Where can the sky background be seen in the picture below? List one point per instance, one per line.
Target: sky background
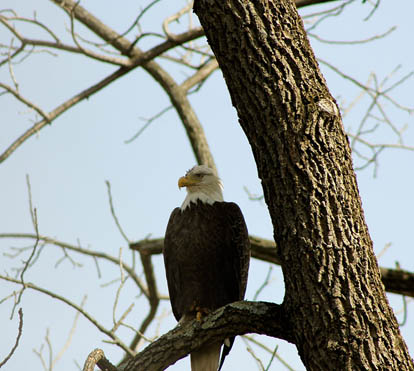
(69, 162)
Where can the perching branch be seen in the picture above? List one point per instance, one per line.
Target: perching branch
(233, 319)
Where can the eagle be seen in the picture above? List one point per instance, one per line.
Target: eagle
(206, 255)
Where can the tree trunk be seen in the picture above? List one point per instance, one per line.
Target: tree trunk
(338, 311)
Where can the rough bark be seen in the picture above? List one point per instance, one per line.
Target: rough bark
(334, 297)
(233, 319)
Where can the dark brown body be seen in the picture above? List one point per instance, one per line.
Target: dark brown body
(206, 256)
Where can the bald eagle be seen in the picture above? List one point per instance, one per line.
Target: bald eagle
(206, 256)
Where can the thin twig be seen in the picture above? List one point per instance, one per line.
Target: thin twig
(33, 215)
(110, 334)
(147, 124)
(187, 8)
(16, 344)
(25, 101)
(261, 345)
(264, 284)
(70, 336)
(353, 42)
(94, 254)
(272, 358)
(111, 205)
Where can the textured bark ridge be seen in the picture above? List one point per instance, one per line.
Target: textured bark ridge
(334, 298)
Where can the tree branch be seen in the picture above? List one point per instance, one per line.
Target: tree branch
(80, 250)
(233, 319)
(137, 57)
(153, 297)
(177, 95)
(97, 357)
(29, 104)
(62, 108)
(16, 344)
(110, 334)
(396, 281)
(302, 3)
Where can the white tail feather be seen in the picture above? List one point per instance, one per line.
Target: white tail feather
(206, 359)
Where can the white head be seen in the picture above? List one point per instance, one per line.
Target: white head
(202, 184)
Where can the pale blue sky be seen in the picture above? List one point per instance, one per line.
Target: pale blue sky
(69, 162)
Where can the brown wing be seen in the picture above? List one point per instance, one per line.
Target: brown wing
(240, 241)
(206, 256)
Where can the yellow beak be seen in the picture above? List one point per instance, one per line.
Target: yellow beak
(186, 181)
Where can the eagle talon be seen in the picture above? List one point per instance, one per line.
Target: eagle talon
(200, 312)
(199, 316)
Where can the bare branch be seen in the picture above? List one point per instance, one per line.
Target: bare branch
(266, 250)
(302, 3)
(97, 357)
(169, 44)
(187, 8)
(381, 145)
(264, 284)
(193, 127)
(110, 334)
(70, 336)
(398, 281)
(178, 97)
(201, 75)
(16, 344)
(25, 101)
(233, 319)
(33, 215)
(253, 354)
(60, 109)
(57, 44)
(111, 205)
(261, 345)
(148, 123)
(136, 22)
(324, 14)
(121, 319)
(352, 42)
(153, 297)
(94, 254)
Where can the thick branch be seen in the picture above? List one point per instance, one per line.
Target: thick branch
(233, 319)
(137, 57)
(333, 292)
(396, 281)
(301, 3)
(176, 94)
